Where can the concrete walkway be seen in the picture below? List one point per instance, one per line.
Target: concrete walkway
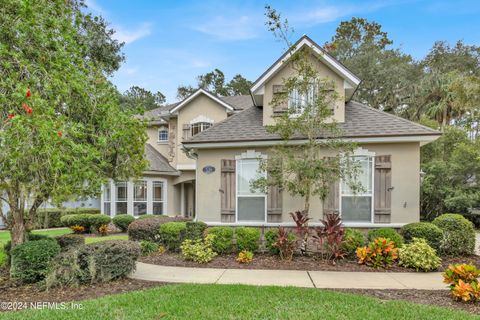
(307, 279)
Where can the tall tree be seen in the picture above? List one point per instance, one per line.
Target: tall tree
(62, 133)
(239, 86)
(140, 99)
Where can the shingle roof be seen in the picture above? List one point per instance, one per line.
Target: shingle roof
(156, 161)
(360, 121)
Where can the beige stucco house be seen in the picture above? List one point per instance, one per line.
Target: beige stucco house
(204, 150)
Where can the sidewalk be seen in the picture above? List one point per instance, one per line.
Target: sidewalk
(307, 279)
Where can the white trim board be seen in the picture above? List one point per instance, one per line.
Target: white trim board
(197, 93)
(311, 224)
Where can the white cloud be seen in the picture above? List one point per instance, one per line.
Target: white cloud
(129, 36)
(238, 28)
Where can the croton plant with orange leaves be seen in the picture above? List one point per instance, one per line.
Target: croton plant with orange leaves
(463, 282)
(380, 253)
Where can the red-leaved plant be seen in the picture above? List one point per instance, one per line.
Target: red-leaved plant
(330, 236)
(301, 220)
(285, 243)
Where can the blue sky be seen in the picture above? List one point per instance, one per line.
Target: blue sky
(169, 43)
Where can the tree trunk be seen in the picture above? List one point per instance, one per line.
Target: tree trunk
(18, 231)
(303, 248)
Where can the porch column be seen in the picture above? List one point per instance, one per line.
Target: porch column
(149, 196)
(113, 199)
(182, 199)
(130, 197)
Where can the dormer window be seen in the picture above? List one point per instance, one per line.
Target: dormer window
(163, 134)
(198, 127)
(298, 101)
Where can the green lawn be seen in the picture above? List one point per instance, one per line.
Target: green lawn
(191, 302)
(5, 235)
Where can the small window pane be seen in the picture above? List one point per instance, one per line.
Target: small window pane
(163, 134)
(139, 208)
(106, 208)
(157, 191)
(121, 208)
(247, 172)
(364, 177)
(356, 209)
(140, 191)
(158, 208)
(199, 127)
(121, 191)
(251, 208)
(106, 193)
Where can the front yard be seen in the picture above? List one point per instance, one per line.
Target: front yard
(241, 302)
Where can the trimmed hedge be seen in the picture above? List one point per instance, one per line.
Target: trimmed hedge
(7, 247)
(148, 229)
(88, 221)
(271, 236)
(352, 239)
(122, 221)
(388, 233)
(172, 234)
(223, 240)
(195, 230)
(458, 234)
(423, 230)
(94, 263)
(51, 217)
(247, 238)
(69, 241)
(30, 260)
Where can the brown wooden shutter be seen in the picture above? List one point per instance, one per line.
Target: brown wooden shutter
(186, 131)
(274, 204)
(227, 190)
(332, 202)
(383, 189)
(278, 90)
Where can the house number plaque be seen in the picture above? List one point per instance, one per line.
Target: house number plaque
(208, 169)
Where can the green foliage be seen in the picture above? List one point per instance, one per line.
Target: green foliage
(286, 243)
(223, 241)
(140, 99)
(148, 247)
(69, 241)
(388, 233)
(195, 230)
(247, 238)
(51, 217)
(88, 221)
(148, 216)
(31, 259)
(122, 221)
(379, 253)
(147, 229)
(419, 255)
(458, 235)
(271, 236)
(199, 250)
(352, 239)
(424, 230)
(3, 258)
(66, 132)
(245, 257)
(94, 263)
(172, 234)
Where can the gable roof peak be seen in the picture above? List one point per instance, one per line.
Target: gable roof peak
(198, 92)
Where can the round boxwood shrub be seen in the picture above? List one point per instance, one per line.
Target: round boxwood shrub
(458, 234)
(423, 230)
(69, 241)
(247, 238)
(30, 260)
(271, 236)
(172, 234)
(148, 229)
(88, 221)
(223, 241)
(122, 221)
(388, 233)
(93, 263)
(419, 255)
(352, 239)
(98, 220)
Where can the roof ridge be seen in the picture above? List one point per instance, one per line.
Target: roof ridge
(394, 116)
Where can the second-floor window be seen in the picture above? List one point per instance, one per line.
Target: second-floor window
(298, 101)
(163, 134)
(199, 127)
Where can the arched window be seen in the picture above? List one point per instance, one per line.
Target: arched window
(163, 134)
(198, 127)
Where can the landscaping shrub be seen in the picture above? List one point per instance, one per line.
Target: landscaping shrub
(270, 239)
(380, 252)
(387, 233)
(223, 241)
(463, 282)
(7, 247)
(330, 236)
(247, 238)
(78, 229)
(458, 235)
(352, 239)
(93, 263)
(245, 257)
(419, 255)
(82, 220)
(122, 221)
(148, 247)
(148, 216)
(48, 218)
(68, 241)
(98, 220)
(424, 230)
(286, 244)
(148, 229)
(195, 230)
(172, 234)
(103, 230)
(199, 250)
(30, 260)
(3, 258)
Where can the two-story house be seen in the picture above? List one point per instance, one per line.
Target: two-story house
(204, 151)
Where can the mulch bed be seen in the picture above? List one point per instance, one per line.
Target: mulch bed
(440, 298)
(265, 261)
(9, 292)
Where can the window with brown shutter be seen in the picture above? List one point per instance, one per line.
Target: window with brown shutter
(383, 189)
(186, 131)
(282, 106)
(227, 190)
(274, 204)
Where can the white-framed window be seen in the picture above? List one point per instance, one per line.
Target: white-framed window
(198, 127)
(163, 134)
(251, 204)
(297, 102)
(158, 197)
(107, 199)
(140, 198)
(357, 206)
(121, 197)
